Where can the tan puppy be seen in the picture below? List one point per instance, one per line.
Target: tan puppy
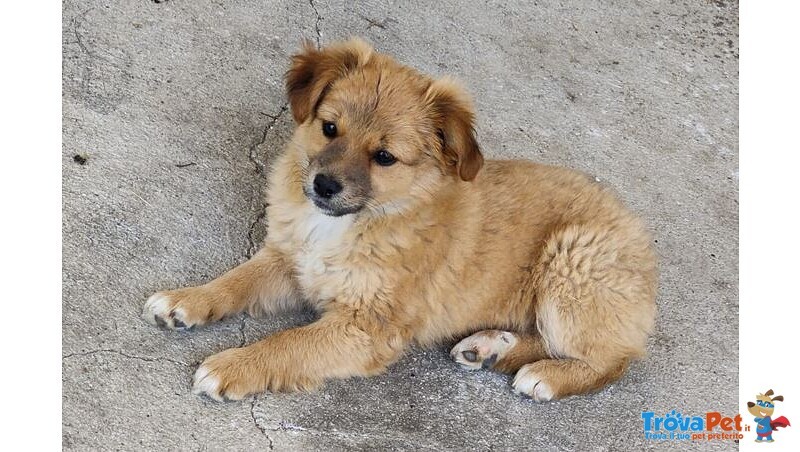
(384, 216)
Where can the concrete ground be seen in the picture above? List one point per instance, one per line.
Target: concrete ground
(172, 110)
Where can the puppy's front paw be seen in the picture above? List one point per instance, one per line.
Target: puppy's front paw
(160, 310)
(223, 376)
(182, 309)
(530, 381)
(237, 372)
(483, 349)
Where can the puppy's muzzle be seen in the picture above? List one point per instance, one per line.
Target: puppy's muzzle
(325, 186)
(330, 196)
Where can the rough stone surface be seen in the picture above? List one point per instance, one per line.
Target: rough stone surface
(172, 110)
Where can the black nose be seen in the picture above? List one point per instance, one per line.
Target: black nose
(326, 186)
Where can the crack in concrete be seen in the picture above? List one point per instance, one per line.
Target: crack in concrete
(382, 24)
(78, 37)
(316, 23)
(75, 23)
(251, 250)
(260, 169)
(121, 353)
(255, 421)
(242, 326)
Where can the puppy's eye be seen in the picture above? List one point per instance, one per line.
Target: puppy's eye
(329, 129)
(384, 158)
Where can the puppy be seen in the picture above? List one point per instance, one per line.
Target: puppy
(384, 216)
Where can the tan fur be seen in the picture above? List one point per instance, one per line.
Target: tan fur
(444, 245)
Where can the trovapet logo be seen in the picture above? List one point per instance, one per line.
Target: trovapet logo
(713, 426)
(708, 427)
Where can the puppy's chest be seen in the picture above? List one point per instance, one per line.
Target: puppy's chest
(328, 260)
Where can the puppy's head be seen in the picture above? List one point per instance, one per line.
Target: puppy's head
(377, 135)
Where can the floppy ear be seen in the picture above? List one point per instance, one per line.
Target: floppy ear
(451, 110)
(313, 71)
(769, 393)
(778, 398)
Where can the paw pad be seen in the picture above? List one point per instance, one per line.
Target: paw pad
(483, 349)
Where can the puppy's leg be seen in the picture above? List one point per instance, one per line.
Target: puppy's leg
(338, 345)
(503, 351)
(551, 379)
(594, 311)
(264, 282)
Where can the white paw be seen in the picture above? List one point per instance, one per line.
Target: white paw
(483, 349)
(158, 311)
(205, 383)
(529, 382)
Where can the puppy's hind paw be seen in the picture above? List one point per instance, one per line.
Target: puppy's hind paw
(529, 382)
(483, 349)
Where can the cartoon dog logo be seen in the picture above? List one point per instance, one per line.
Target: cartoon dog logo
(762, 410)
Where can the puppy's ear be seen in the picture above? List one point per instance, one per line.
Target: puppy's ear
(778, 398)
(451, 111)
(313, 71)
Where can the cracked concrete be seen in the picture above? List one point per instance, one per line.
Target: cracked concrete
(270, 444)
(176, 111)
(255, 234)
(317, 31)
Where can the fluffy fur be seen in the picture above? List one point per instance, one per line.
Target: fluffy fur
(553, 275)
